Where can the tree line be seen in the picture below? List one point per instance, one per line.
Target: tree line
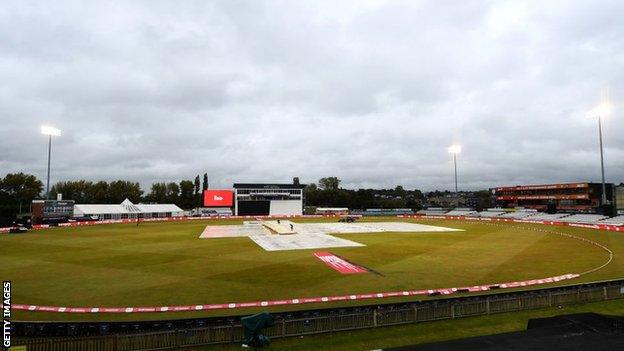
(17, 190)
(186, 194)
(329, 193)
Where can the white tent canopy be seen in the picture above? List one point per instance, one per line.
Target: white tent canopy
(127, 210)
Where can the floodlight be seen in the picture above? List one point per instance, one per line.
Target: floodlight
(454, 149)
(47, 130)
(50, 132)
(602, 110)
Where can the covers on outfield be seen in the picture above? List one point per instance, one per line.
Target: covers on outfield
(311, 235)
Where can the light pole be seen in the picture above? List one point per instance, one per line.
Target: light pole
(455, 149)
(49, 131)
(601, 111)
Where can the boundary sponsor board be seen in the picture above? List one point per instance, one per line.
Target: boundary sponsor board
(613, 228)
(166, 219)
(608, 227)
(338, 264)
(294, 301)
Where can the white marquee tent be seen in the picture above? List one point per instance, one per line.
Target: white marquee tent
(127, 210)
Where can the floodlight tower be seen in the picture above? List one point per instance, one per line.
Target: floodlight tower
(49, 131)
(455, 149)
(601, 111)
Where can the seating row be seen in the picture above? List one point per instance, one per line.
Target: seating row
(527, 215)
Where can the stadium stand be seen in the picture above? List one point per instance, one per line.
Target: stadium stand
(383, 212)
(547, 216)
(523, 214)
(491, 212)
(617, 220)
(583, 218)
(461, 212)
(212, 212)
(331, 211)
(433, 211)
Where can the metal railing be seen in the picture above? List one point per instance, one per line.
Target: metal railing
(332, 320)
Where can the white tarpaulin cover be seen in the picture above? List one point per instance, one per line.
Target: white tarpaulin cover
(312, 235)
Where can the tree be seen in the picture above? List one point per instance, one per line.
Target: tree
(21, 186)
(186, 194)
(78, 191)
(205, 185)
(399, 191)
(329, 183)
(418, 195)
(296, 180)
(331, 196)
(364, 198)
(120, 190)
(18, 189)
(173, 193)
(197, 197)
(483, 199)
(98, 193)
(197, 185)
(310, 195)
(158, 193)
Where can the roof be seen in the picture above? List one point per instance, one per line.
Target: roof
(130, 207)
(268, 186)
(549, 186)
(158, 208)
(125, 207)
(96, 209)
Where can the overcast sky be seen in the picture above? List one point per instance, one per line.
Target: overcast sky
(260, 91)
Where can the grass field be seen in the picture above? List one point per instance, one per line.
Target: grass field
(157, 264)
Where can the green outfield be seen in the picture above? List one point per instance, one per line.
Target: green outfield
(160, 264)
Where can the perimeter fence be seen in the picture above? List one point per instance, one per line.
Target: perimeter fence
(37, 336)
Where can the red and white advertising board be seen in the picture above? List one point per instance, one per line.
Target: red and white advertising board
(218, 198)
(291, 301)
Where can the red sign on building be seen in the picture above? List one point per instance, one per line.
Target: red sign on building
(218, 198)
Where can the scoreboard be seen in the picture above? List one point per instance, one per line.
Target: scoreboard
(52, 210)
